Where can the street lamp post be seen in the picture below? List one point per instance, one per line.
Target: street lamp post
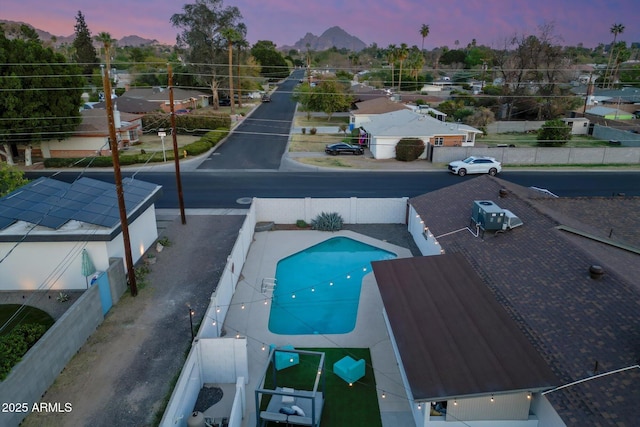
(191, 313)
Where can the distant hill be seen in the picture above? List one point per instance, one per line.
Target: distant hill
(13, 27)
(334, 36)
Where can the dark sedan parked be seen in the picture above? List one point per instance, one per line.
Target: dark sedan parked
(342, 147)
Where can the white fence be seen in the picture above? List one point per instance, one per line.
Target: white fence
(353, 210)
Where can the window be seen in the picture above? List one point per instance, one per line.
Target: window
(438, 141)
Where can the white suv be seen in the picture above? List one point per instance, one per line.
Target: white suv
(475, 165)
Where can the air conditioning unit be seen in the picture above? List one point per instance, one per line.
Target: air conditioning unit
(487, 215)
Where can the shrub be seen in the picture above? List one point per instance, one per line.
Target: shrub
(301, 223)
(313, 131)
(327, 222)
(554, 133)
(409, 149)
(304, 131)
(16, 344)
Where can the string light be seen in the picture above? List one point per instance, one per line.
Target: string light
(263, 347)
(492, 399)
(419, 406)
(313, 289)
(330, 283)
(529, 395)
(293, 295)
(455, 403)
(384, 395)
(242, 306)
(348, 276)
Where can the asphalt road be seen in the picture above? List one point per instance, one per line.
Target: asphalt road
(224, 189)
(259, 142)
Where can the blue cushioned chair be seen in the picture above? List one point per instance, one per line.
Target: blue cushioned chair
(349, 370)
(283, 359)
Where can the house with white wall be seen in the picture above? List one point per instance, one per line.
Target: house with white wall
(366, 110)
(386, 130)
(578, 125)
(46, 224)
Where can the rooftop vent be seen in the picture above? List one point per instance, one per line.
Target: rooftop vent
(596, 272)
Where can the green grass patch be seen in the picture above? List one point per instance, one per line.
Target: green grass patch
(303, 121)
(344, 406)
(531, 140)
(28, 315)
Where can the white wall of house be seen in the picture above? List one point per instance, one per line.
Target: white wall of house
(423, 238)
(58, 265)
(360, 119)
(383, 147)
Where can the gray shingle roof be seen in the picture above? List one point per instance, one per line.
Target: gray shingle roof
(540, 275)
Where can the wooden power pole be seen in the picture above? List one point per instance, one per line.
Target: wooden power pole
(176, 155)
(113, 146)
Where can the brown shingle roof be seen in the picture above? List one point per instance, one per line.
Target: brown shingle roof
(454, 338)
(540, 275)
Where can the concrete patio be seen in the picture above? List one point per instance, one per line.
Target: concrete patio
(370, 330)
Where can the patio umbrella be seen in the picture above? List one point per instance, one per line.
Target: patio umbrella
(87, 266)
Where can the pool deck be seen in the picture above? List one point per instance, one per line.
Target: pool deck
(370, 331)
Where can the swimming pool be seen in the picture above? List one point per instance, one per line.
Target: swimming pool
(318, 289)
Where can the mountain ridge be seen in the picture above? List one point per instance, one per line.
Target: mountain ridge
(332, 37)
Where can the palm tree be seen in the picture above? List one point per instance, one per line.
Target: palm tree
(107, 42)
(241, 45)
(403, 53)
(392, 55)
(615, 30)
(231, 35)
(424, 32)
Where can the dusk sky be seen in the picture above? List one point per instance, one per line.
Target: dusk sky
(373, 21)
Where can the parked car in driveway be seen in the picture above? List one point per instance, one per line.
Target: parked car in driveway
(266, 98)
(475, 164)
(224, 102)
(343, 147)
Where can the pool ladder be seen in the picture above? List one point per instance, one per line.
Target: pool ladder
(268, 285)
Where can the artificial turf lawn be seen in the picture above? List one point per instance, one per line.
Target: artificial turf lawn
(28, 315)
(355, 406)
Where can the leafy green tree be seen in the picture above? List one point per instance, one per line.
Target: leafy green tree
(33, 107)
(554, 133)
(330, 98)
(85, 53)
(302, 95)
(202, 25)
(274, 66)
(10, 179)
(630, 75)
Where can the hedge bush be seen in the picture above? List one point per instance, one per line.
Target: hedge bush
(409, 149)
(16, 344)
(193, 124)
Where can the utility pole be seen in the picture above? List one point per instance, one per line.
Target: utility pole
(113, 146)
(176, 156)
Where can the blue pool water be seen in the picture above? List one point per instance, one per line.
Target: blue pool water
(318, 289)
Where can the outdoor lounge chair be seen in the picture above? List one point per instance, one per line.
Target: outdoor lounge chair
(283, 359)
(349, 370)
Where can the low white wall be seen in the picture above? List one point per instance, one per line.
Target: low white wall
(542, 155)
(201, 368)
(353, 210)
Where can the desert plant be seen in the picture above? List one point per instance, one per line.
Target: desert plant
(327, 222)
(164, 241)
(409, 149)
(62, 297)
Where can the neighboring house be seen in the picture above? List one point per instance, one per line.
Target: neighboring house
(130, 105)
(46, 224)
(182, 98)
(578, 125)
(425, 109)
(362, 92)
(365, 110)
(541, 273)
(386, 130)
(92, 136)
(610, 113)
